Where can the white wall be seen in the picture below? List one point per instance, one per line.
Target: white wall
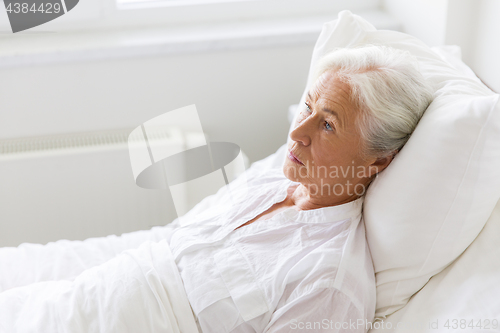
(241, 96)
(474, 25)
(461, 26)
(424, 19)
(479, 37)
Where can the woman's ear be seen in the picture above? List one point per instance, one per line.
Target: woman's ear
(380, 164)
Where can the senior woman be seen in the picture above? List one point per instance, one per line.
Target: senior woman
(292, 255)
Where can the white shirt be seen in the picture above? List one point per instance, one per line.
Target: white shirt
(297, 271)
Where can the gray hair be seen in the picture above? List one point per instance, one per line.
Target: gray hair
(387, 87)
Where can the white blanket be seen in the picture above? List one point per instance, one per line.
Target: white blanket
(139, 290)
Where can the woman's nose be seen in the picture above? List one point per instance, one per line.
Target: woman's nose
(301, 132)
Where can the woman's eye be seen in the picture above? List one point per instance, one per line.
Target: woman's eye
(328, 126)
(308, 108)
(304, 113)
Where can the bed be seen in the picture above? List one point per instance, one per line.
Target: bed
(432, 220)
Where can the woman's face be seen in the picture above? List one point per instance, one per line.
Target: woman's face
(327, 144)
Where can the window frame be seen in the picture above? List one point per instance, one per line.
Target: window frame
(111, 14)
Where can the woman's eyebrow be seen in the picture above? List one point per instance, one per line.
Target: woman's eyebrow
(309, 95)
(335, 114)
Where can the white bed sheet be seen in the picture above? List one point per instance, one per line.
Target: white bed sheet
(139, 290)
(64, 259)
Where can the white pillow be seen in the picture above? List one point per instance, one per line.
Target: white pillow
(431, 202)
(464, 295)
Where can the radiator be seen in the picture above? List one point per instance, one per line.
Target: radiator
(78, 186)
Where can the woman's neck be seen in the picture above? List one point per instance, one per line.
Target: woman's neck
(300, 198)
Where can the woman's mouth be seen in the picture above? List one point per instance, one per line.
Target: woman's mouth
(294, 158)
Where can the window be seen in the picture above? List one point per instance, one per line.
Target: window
(114, 14)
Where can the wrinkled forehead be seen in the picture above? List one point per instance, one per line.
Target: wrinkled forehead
(331, 89)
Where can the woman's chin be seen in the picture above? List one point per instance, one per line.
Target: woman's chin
(291, 171)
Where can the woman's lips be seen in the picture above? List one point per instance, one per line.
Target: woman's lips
(294, 158)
